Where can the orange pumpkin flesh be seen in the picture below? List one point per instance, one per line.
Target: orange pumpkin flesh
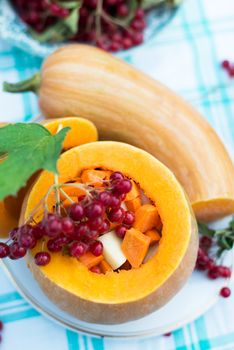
(126, 295)
(81, 131)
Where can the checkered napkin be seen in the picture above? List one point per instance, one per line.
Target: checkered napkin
(185, 56)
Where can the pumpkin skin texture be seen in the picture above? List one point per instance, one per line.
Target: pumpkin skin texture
(82, 131)
(127, 295)
(128, 106)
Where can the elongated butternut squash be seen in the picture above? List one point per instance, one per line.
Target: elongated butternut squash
(128, 106)
(81, 131)
(125, 295)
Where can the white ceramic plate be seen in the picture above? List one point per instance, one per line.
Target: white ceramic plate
(197, 296)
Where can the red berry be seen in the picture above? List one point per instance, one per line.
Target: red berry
(167, 334)
(114, 47)
(138, 24)
(1, 326)
(105, 198)
(137, 38)
(33, 17)
(127, 43)
(140, 13)
(129, 218)
(67, 226)
(123, 186)
(224, 271)
(27, 240)
(111, 2)
(52, 246)
(58, 11)
(91, 3)
(16, 251)
(226, 64)
(120, 231)
(42, 258)
(76, 211)
(210, 264)
(95, 269)
(50, 217)
(96, 223)
(105, 227)
(116, 38)
(94, 210)
(81, 230)
(78, 249)
(62, 240)
(4, 250)
(116, 215)
(201, 252)
(53, 227)
(84, 12)
(115, 201)
(96, 248)
(205, 242)
(116, 176)
(122, 10)
(213, 273)
(38, 231)
(231, 72)
(91, 236)
(225, 292)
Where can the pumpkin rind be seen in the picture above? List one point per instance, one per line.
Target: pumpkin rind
(126, 295)
(128, 106)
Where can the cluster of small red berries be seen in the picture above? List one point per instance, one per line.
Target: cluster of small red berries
(111, 36)
(229, 67)
(1, 328)
(77, 232)
(207, 264)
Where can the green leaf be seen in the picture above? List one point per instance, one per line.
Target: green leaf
(231, 224)
(28, 148)
(70, 5)
(148, 4)
(205, 230)
(64, 29)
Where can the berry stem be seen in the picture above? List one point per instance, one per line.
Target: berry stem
(98, 16)
(66, 196)
(56, 183)
(31, 84)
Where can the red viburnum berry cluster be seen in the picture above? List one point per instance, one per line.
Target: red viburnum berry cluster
(115, 27)
(207, 264)
(78, 231)
(229, 67)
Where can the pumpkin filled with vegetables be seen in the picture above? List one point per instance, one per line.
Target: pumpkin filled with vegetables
(123, 240)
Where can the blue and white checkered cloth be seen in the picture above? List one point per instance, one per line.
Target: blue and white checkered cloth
(185, 56)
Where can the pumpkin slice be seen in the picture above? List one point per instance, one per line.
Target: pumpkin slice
(82, 131)
(127, 294)
(153, 235)
(135, 246)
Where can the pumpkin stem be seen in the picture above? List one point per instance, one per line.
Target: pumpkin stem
(31, 84)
